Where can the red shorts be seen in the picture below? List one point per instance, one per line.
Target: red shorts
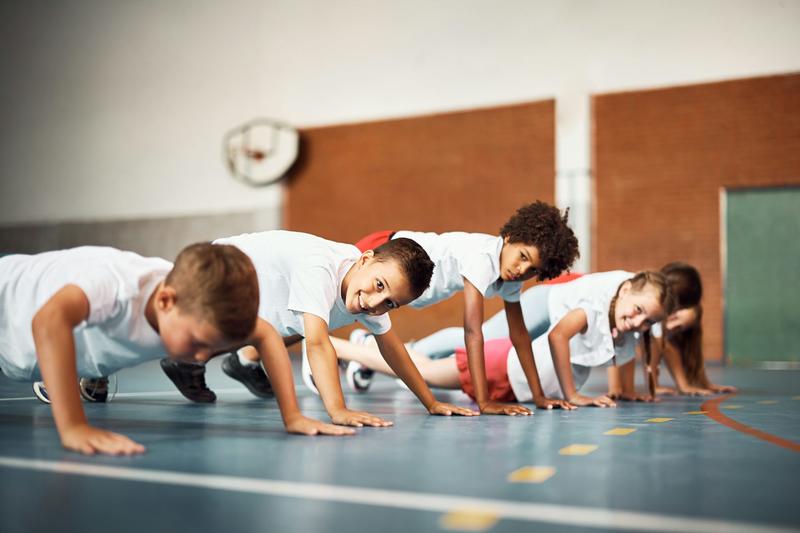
(495, 353)
(373, 240)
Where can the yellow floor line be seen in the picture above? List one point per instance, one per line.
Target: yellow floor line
(531, 474)
(468, 520)
(619, 431)
(578, 449)
(659, 420)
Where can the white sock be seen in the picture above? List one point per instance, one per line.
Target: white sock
(244, 361)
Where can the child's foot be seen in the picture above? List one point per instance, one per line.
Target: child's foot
(253, 377)
(94, 389)
(359, 377)
(41, 392)
(305, 370)
(190, 380)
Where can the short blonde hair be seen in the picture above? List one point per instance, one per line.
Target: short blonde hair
(217, 283)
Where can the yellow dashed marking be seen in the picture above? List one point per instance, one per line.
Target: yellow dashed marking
(795, 397)
(531, 474)
(468, 520)
(767, 402)
(732, 406)
(695, 412)
(619, 431)
(578, 449)
(659, 420)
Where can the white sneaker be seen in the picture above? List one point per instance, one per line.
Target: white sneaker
(359, 336)
(305, 370)
(359, 377)
(41, 392)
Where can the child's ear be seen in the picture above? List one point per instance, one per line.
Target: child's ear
(625, 288)
(166, 298)
(365, 257)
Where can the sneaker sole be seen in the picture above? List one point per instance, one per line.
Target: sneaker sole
(231, 374)
(41, 396)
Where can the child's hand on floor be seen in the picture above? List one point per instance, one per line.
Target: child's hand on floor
(723, 388)
(346, 417)
(666, 391)
(308, 426)
(89, 440)
(599, 401)
(447, 409)
(497, 408)
(696, 391)
(635, 397)
(550, 403)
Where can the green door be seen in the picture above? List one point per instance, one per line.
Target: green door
(762, 280)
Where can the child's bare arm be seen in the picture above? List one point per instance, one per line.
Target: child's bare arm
(622, 383)
(522, 344)
(396, 355)
(473, 340)
(275, 359)
(573, 323)
(673, 358)
(325, 369)
(53, 336)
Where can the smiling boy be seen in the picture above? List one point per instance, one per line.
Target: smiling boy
(309, 286)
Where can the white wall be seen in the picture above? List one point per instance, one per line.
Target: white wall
(117, 109)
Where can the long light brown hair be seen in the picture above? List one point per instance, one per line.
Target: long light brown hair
(684, 281)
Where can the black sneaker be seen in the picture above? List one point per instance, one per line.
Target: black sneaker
(252, 377)
(94, 389)
(190, 379)
(41, 392)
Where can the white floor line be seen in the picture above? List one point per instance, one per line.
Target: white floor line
(528, 512)
(138, 394)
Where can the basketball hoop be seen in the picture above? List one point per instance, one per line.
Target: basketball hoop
(261, 151)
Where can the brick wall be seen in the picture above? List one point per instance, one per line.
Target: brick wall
(661, 159)
(464, 171)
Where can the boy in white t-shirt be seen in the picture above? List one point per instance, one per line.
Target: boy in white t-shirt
(536, 242)
(311, 285)
(91, 311)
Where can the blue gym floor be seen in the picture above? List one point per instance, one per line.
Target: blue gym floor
(229, 466)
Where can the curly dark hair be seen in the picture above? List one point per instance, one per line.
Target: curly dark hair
(543, 226)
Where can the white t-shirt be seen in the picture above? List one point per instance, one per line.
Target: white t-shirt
(595, 347)
(117, 284)
(300, 273)
(458, 255)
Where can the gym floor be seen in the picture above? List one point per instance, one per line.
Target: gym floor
(728, 463)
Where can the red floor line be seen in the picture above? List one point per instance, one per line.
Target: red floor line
(712, 411)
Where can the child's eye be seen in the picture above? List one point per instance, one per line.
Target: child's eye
(379, 284)
(639, 309)
(391, 305)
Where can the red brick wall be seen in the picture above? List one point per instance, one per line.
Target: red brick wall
(466, 171)
(661, 158)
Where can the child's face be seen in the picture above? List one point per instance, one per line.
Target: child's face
(186, 336)
(682, 319)
(376, 287)
(518, 261)
(637, 310)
